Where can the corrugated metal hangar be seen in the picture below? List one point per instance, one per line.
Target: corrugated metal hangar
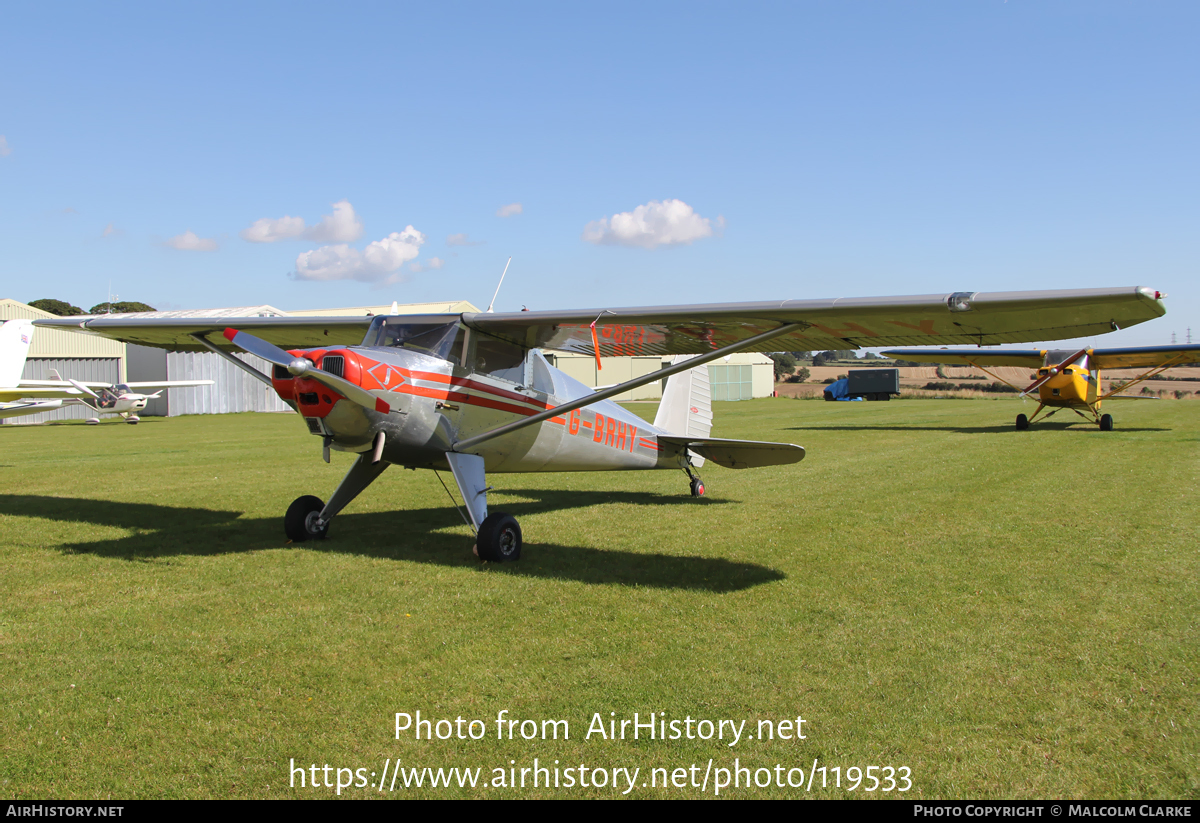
(93, 358)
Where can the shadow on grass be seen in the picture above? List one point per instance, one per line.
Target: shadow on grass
(1078, 425)
(414, 535)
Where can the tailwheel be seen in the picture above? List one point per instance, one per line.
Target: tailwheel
(499, 538)
(1022, 422)
(303, 520)
(1106, 423)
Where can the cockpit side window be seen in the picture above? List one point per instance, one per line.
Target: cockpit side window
(499, 358)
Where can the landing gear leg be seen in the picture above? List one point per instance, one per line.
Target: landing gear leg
(497, 535)
(308, 519)
(696, 485)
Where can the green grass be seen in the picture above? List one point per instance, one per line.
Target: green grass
(1007, 614)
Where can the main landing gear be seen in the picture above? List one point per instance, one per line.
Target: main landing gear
(1022, 422)
(695, 484)
(1106, 423)
(497, 535)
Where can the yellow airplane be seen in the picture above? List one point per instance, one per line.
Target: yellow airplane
(1065, 379)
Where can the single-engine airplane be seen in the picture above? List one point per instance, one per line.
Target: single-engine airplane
(1065, 379)
(473, 393)
(102, 398)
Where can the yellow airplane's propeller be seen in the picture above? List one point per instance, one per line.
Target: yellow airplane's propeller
(301, 367)
(1054, 370)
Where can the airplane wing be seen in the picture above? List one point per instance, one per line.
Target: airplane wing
(169, 384)
(1027, 358)
(847, 323)
(174, 333)
(962, 318)
(21, 392)
(1146, 357)
(19, 409)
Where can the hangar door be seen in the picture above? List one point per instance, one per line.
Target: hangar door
(731, 382)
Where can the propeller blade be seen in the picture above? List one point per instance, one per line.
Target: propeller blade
(1054, 370)
(299, 366)
(267, 351)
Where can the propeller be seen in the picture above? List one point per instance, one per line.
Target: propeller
(301, 367)
(1054, 370)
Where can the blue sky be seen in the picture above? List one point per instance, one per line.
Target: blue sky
(658, 152)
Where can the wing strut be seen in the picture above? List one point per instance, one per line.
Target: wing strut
(620, 388)
(1154, 372)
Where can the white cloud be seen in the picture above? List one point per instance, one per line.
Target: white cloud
(463, 240)
(665, 223)
(188, 241)
(374, 263)
(5, 151)
(511, 210)
(267, 230)
(432, 264)
(343, 226)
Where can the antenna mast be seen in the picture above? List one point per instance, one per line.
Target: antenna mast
(498, 285)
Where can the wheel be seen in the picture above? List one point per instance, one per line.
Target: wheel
(133, 420)
(697, 487)
(499, 538)
(1106, 423)
(299, 521)
(93, 421)
(1022, 422)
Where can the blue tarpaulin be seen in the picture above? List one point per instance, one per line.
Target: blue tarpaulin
(837, 390)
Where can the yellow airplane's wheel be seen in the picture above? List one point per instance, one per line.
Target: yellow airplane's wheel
(1022, 422)
(499, 538)
(300, 521)
(1106, 423)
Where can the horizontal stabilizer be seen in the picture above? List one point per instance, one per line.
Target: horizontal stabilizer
(738, 454)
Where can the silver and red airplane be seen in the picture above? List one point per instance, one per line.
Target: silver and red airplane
(473, 394)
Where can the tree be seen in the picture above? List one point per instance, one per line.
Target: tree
(785, 364)
(120, 308)
(800, 376)
(58, 307)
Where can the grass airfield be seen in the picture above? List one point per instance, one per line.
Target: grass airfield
(1008, 615)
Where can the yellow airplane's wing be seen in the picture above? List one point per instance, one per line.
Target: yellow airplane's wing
(1148, 357)
(977, 318)
(1027, 358)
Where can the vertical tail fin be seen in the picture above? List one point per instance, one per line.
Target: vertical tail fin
(686, 407)
(15, 336)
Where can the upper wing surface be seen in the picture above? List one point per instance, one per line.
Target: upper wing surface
(959, 318)
(1028, 358)
(1146, 357)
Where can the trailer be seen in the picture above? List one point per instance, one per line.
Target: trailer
(867, 384)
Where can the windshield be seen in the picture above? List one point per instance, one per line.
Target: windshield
(441, 340)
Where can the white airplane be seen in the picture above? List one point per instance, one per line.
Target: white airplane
(473, 394)
(103, 398)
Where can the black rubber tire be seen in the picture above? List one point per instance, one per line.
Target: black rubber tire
(1106, 423)
(295, 522)
(499, 538)
(1022, 422)
(696, 487)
